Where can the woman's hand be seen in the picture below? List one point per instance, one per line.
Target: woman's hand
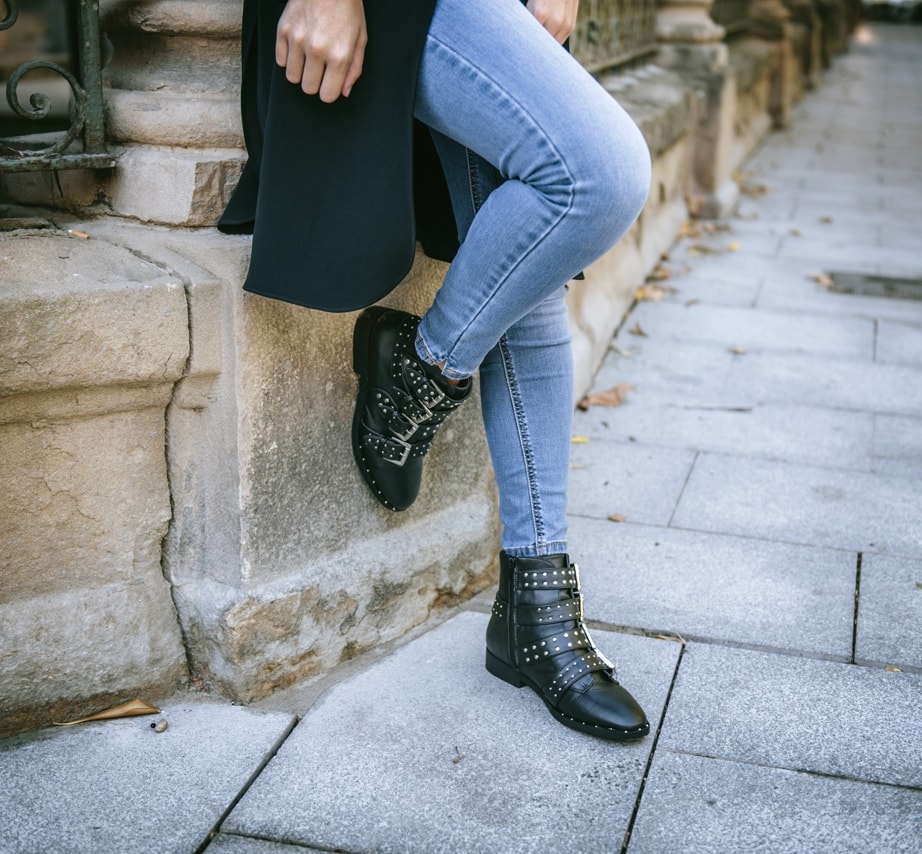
(321, 45)
(558, 17)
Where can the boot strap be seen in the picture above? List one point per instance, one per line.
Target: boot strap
(587, 662)
(547, 579)
(560, 612)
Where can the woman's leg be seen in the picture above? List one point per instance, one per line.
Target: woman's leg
(576, 174)
(576, 170)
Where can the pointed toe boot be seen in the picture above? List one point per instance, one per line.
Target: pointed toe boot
(536, 637)
(401, 404)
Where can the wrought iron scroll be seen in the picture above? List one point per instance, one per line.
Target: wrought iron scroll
(34, 153)
(732, 15)
(610, 33)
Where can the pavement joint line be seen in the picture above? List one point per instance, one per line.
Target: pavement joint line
(678, 501)
(743, 536)
(216, 827)
(810, 772)
(857, 604)
(646, 771)
(293, 844)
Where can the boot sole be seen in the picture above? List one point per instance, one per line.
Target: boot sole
(509, 674)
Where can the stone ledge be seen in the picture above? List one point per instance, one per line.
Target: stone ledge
(81, 313)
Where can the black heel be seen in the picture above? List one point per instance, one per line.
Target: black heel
(503, 671)
(362, 336)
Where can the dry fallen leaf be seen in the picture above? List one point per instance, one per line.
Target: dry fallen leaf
(580, 440)
(637, 329)
(692, 302)
(738, 351)
(611, 397)
(825, 220)
(659, 273)
(821, 279)
(690, 229)
(616, 517)
(702, 249)
(624, 354)
(733, 247)
(652, 293)
(131, 709)
(794, 232)
(893, 669)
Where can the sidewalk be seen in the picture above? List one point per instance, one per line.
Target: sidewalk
(762, 597)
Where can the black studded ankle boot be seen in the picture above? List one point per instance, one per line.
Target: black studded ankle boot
(401, 403)
(536, 637)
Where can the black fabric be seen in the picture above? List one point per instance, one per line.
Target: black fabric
(328, 191)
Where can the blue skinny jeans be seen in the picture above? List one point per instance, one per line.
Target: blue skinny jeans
(546, 173)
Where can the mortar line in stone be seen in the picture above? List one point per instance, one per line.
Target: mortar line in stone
(270, 754)
(678, 501)
(857, 604)
(874, 339)
(646, 770)
(811, 772)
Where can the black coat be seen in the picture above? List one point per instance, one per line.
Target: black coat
(328, 190)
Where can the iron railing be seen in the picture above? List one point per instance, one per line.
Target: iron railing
(732, 15)
(83, 144)
(610, 33)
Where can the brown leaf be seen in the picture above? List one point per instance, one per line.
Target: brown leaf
(692, 302)
(652, 293)
(637, 329)
(738, 351)
(612, 397)
(702, 249)
(821, 279)
(825, 220)
(131, 709)
(733, 247)
(617, 517)
(794, 232)
(659, 273)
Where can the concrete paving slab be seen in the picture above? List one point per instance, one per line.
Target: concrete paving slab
(699, 805)
(120, 786)
(791, 503)
(897, 445)
(729, 589)
(899, 344)
(797, 713)
(801, 292)
(710, 287)
(641, 483)
(425, 751)
(714, 377)
(834, 438)
(758, 329)
(890, 612)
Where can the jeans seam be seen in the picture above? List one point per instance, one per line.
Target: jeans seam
(524, 442)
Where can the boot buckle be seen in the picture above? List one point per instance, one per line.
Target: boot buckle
(407, 447)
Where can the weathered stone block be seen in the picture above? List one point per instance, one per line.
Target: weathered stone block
(91, 340)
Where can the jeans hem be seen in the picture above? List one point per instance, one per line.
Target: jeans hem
(542, 550)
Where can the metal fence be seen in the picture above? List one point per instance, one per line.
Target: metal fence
(82, 143)
(613, 32)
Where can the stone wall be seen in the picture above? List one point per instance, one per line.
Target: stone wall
(182, 500)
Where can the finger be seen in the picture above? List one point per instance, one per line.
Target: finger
(355, 68)
(334, 78)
